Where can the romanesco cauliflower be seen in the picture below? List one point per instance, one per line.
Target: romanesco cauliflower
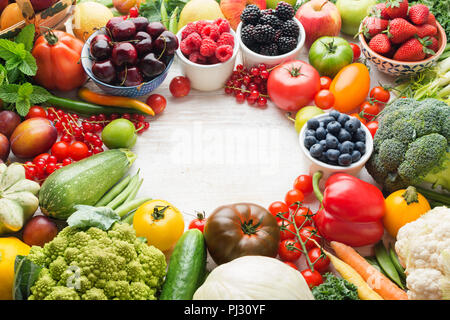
(98, 265)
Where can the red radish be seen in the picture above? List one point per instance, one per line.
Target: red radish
(418, 14)
(400, 30)
(380, 44)
(397, 8)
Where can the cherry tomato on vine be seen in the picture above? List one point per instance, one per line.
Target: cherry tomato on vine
(289, 250)
(198, 223)
(324, 99)
(356, 51)
(380, 94)
(312, 278)
(279, 207)
(60, 150)
(304, 184)
(369, 110)
(307, 234)
(287, 230)
(325, 82)
(292, 197)
(373, 127)
(300, 218)
(36, 112)
(157, 102)
(78, 150)
(320, 260)
(356, 115)
(290, 264)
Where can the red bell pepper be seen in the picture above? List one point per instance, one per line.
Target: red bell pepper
(351, 210)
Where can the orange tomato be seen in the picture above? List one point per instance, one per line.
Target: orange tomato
(350, 87)
(58, 56)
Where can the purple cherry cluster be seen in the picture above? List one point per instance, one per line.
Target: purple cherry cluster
(132, 51)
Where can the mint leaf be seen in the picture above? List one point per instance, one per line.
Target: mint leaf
(25, 90)
(26, 37)
(8, 49)
(9, 93)
(23, 106)
(3, 75)
(28, 65)
(13, 63)
(39, 95)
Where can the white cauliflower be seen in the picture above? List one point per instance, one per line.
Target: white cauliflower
(423, 247)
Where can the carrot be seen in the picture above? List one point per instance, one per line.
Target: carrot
(376, 280)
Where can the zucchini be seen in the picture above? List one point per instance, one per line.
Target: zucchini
(84, 182)
(187, 267)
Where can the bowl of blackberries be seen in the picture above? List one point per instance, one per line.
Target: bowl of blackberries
(129, 57)
(336, 142)
(270, 36)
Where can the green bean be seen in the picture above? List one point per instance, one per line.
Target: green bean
(117, 201)
(164, 15)
(130, 206)
(386, 264)
(374, 263)
(129, 218)
(396, 263)
(173, 22)
(113, 192)
(134, 192)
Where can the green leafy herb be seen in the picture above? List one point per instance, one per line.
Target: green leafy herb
(334, 288)
(151, 9)
(25, 275)
(23, 96)
(88, 216)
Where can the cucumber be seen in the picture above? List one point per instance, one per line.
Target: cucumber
(187, 267)
(84, 182)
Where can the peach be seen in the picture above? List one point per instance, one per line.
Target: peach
(232, 9)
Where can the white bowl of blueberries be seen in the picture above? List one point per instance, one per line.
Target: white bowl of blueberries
(336, 142)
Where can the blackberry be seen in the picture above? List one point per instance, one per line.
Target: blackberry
(284, 11)
(267, 12)
(248, 34)
(264, 33)
(251, 14)
(272, 21)
(270, 49)
(286, 44)
(290, 29)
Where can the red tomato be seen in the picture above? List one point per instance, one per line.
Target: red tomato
(300, 217)
(304, 184)
(289, 250)
(324, 99)
(292, 85)
(157, 102)
(279, 207)
(319, 259)
(312, 278)
(325, 82)
(369, 110)
(356, 51)
(198, 223)
(380, 94)
(373, 127)
(293, 198)
(290, 264)
(287, 230)
(306, 234)
(36, 112)
(356, 115)
(78, 150)
(60, 150)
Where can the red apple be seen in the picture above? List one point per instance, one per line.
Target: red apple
(319, 18)
(39, 5)
(232, 9)
(3, 4)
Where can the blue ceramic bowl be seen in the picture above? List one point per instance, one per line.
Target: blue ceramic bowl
(136, 91)
(402, 68)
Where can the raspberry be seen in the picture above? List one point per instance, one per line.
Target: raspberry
(185, 48)
(194, 40)
(196, 57)
(224, 26)
(226, 38)
(224, 52)
(199, 25)
(208, 47)
(190, 27)
(213, 60)
(211, 31)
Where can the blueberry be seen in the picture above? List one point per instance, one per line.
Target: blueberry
(345, 159)
(316, 150)
(323, 158)
(332, 154)
(331, 141)
(334, 127)
(360, 146)
(343, 118)
(347, 147)
(352, 124)
(359, 135)
(323, 143)
(313, 124)
(310, 132)
(356, 155)
(309, 141)
(326, 120)
(335, 114)
(321, 133)
(343, 135)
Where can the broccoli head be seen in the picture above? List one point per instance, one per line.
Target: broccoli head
(98, 265)
(411, 145)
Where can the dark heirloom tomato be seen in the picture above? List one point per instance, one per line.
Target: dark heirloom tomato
(241, 229)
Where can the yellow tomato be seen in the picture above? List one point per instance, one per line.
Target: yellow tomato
(160, 222)
(350, 87)
(403, 206)
(9, 248)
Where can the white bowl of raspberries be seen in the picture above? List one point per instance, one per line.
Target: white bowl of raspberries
(270, 36)
(207, 53)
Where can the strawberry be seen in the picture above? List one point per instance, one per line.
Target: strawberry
(400, 30)
(373, 26)
(413, 49)
(380, 43)
(433, 45)
(397, 8)
(426, 30)
(418, 14)
(379, 11)
(431, 19)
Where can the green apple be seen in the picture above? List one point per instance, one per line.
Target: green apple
(273, 3)
(304, 114)
(352, 13)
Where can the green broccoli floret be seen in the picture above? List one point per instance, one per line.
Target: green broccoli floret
(98, 265)
(411, 145)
